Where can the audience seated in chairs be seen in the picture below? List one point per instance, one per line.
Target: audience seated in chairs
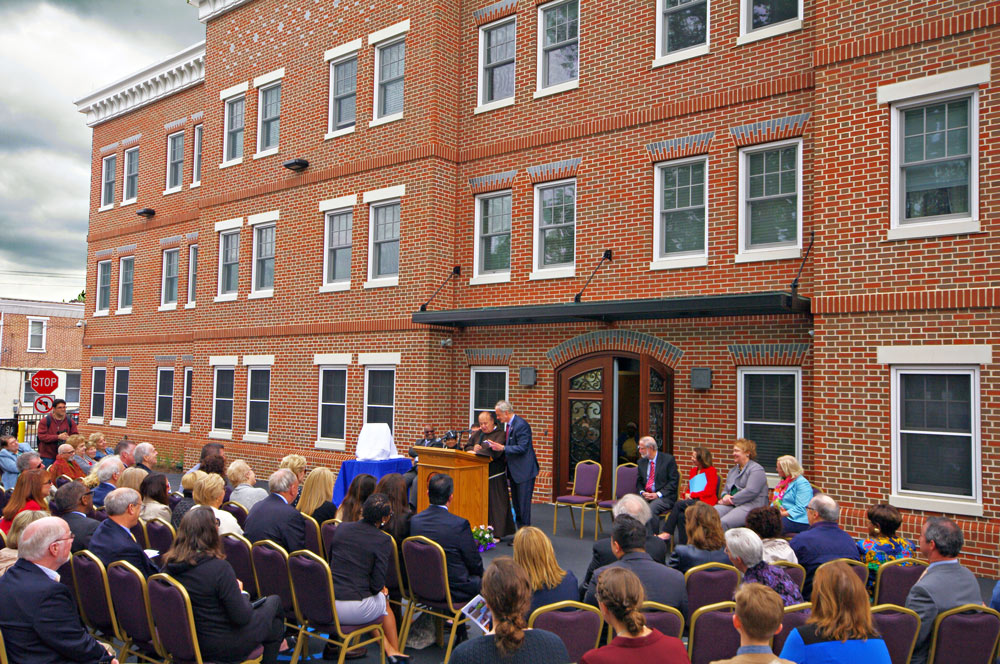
(209, 450)
(107, 473)
(132, 478)
(188, 480)
(633, 505)
(746, 552)
(244, 481)
(840, 628)
(145, 456)
(216, 465)
(792, 495)
(8, 555)
(228, 627)
(507, 592)
(393, 485)
(361, 487)
(766, 522)
(80, 456)
(8, 461)
(74, 504)
(113, 539)
(297, 464)
(64, 463)
(662, 584)
(274, 518)
(758, 616)
(882, 544)
(30, 493)
(550, 583)
(824, 541)
(38, 616)
(209, 492)
(702, 459)
(360, 556)
(620, 595)
(155, 492)
(745, 487)
(315, 497)
(706, 540)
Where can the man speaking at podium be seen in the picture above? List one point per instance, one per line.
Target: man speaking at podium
(522, 464)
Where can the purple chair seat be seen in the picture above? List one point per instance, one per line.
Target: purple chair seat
(131, 599)
(586, 483)
(270, 562)
(969, 629)
(708, 584)
(796, 617)
(712, 634)
(238, 556)
(326, 531)
(159, 535)
(92, 591)
(895, 578)
(579, 629)
(607, 504)
(663, 618)
(898, 627)
(238, 511)
(174, 618)
(575, 500)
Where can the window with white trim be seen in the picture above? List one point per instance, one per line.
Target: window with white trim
(126, 283)
(235, 111)
(108, 166)
(269, 111)
(380, 393)
(680, 207)
(761, 14)
(769, 412)
(258, 399)
(131, 176)
(497, 60)
(168, 287)
(263, 258)
(390, 66)
(487, 387)
(196, 165)
(337, 258)
(175, 161)
(555, 225)
(222, 399)
(188, 398)
(558, 43)
(683, 25)
(770, 212)
(164, 395)
(28, 392)
(492, 251)
(98, 390)
(192, 274)
(36, 334)
(332, 403)
(73, 387)
(343, 93)
(119, 409)
(384, 260)
(229, 262)
(103, 303)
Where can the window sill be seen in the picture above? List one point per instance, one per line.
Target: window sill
(184, 428)
(679, 262)
(36, 350)
(933, 229)
(261, 294)
(768, 255)
(335, 287)
(220, 435)
(117, 423)
(190, 305)
(382, 282)
(173, 190)
(97, 314)
(255, 438)
(336, 133)
(386, 119)
(270, 152)
(194, 185)
(128, 202)
(680, 56)
(123, 311)
(231, 162)
(966, 507)
(226, 297)
(493, 278)
(552, 273)
(105, 208)
(161, 426)
(95, 420)
(770, 31)
(493, 105)
(167, 307)
(557, 88)
(334, 445)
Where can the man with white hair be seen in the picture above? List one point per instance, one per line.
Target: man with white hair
(657, 477)
(38, 616)
(109, 469)
(274, 518)
(522, 463)
(823, 541)
(636, 507)
(746, 552)
(145, 456)
(113, 539)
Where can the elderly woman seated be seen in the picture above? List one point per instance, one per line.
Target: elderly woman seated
(745, 487)
(244, 482)
(209, 492)
(746, 552)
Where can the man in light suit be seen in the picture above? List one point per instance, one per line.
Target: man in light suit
(660, 490)
(274, 518)
(945, 584)
(113, 539)
(522, 464)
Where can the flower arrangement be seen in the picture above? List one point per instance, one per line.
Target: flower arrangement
(484, 537)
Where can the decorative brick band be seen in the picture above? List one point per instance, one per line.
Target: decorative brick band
(104, 253)
(171, 241)
(110, 148)
(187, 359)
(758, 355)
(675, 148)
(143, 226)
(615, 340)
(99, 359)
(557, 170)
(497, 181)
(965, 298)
(494, 357)
(197, 116)
(175, 123)
(192, 237)
(165, 359)
(121, 359)
(131, 140)
(125, 249)
(495, 11)
(769, 130)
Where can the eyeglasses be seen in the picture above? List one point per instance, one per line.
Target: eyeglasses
(63, 539)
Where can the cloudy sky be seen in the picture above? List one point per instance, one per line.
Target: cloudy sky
(52, 52)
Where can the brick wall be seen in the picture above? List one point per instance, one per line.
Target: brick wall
(63, 343)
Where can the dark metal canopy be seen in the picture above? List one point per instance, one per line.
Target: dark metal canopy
(699, 306)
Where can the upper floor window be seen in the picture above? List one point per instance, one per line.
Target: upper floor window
(126, 280)
(492, 253)
(168, 287)
(192, 275)
(108, 166)
(229, 262)
(681, 204)
(496, 57)
(770, 213)
(270, 117)
(263, 259)
(196, 166)
(72, 387)
(344, 89)
(390, 65)
(36, 334)
(555, 228)
(760, 19)
(175, 161)
(559, 45)
(131, 176)
(683, 27)
(385, 240)
(235, 110)
(338, 246)
(103, 303)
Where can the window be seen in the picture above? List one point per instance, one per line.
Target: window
(682, 31)
(36, 334)
(770, 213)
(175, 161)
(72, 387)
(385, 240)
(496, 57)
(258, 400)
(380, 384)
(97, 393)
(332, 403)
(168, 288)
(131, 176)
(338, 246)
(766, 13)
(390, 64)
(558, 47)
(126, 280)
(344, 88)
(196, 167)
(103, 288)
(489, 385)
(555, 226)
(29, 392)
(770, 412)
(263, 259)
(229, 262)
(108, 181)
(119, 410)
(222, 403)
(680, 206)
(188, 391)
(270, 117)
(234, 128)
(164, 396)
(493, 234)
(192, 275)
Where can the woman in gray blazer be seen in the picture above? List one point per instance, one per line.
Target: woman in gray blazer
(745, 488)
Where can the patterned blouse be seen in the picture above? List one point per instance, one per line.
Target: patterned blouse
(880, 549)
(775, 578)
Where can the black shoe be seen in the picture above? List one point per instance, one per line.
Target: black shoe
(332, 652)
(289, 643)
(398, 659)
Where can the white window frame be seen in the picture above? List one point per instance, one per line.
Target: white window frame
(231, 295)
(740, 389)
(44, 320)
(336, 444)
(472, 385)
(26, 397)
(196, 161)
(341, 284)
(97, 300)
(923, 500)
(164, 304)
(381, 39)
(188, 396)
(108, 203)
(561, 271)
(331, 130)
(267, 152)
(171, 157)
(192, 282)
(479, 277)
(115, 421)
(123, 309)
(222, 434)
(747, 35)
(228, 161)
(94, 419)
(662, 261)
(79, 388)
(134, 153)
(664, 58)
(257, 436)
(541, 90)
(158, 424)
(482, 105)
(381, 367)
(389, 280)
(262, 292)
(744, 255)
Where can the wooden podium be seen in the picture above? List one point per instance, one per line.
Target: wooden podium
(470, 473)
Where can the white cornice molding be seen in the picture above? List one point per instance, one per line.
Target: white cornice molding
(209, 9)
(160, 79)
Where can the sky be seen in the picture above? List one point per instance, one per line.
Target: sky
(52, 52)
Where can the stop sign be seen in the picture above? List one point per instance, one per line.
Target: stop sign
(45, 382)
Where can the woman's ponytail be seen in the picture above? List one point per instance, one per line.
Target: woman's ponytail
(622, 594)
(507, 592)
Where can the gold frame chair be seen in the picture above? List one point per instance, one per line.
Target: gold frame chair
(965, 608)
(590, 504)
(571, 604)
(718, 606)
(896, 562)
(850, 562)
(312, 523)
(107, 598)
(127, 648)
(650, 606)
(886, 608)
(614, 492)
(786, 564)
(271, 544)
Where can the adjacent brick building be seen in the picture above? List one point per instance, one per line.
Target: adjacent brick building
(796, 198)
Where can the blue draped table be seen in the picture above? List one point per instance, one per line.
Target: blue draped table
(378, 469)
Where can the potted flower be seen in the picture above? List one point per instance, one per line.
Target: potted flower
(484, 537)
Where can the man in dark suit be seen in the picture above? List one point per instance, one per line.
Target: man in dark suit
(635, 507)
(109, 469)
(38, 617)
(658, 487)
(453, 533)
(72, 504)
(113, 539)
(522, 464)
(274, 518)
(661, 583)
(145, 456)
(823, 541)
(945, 584)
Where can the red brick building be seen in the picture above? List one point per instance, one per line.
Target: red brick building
(314, 173)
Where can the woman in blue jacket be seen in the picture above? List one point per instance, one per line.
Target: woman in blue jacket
(792, 494)
(8, 463)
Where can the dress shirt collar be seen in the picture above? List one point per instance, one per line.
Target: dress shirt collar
(755, 650)
(124, 528)
(950, 561)
(51, 573)
(444, 507)
(282, 497)
(80, 513)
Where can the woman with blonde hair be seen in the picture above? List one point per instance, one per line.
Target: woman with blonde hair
(8, 555)
(706, 539)
(100, 443)
(792, 494)
(209, 491)
(297, 464)
(132, 478)
(745, 487)
(31, 493)
(840, 628)
(315, 497)
(243, 481)
(80, 457)
(550, 583)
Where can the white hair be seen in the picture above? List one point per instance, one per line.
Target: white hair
(746, 545)
(118, 501)
(648, 441)
(108, 467)
(633, 505)
(38, 536)
(281, 480)
(504, 406)
(142, 450)
(65, 448)
(825, 507)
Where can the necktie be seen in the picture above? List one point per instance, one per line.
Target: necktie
(506, 432)
(652, 474)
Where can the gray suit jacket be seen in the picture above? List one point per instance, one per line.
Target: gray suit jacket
(942, 587)
(662, 584)
(750, 485)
